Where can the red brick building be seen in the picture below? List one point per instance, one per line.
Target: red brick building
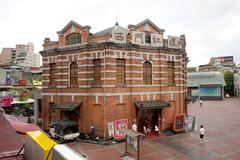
(114, 74)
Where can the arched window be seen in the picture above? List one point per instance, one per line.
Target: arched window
(74, 38)
(73, 74)
(147, 73)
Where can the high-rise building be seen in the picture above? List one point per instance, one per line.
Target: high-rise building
(8, 55)
(26, 57)
(218, 64)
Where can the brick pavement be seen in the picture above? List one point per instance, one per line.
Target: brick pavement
(221, 121)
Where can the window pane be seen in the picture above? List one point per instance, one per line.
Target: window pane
(73, 38)
(147, 73)
(120, 71)
(147, 37)
(170, 73)
(74, 74)
(97, 71)
(52, 73)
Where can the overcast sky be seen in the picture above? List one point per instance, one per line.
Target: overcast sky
(211, 27)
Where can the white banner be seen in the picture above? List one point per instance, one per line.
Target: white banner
(157, 39)
(138, 37)
(173, 42)
(119, 35)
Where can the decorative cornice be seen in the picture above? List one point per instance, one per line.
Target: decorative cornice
(108, 45)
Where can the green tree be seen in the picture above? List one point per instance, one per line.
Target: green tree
(229, 88)
(191, 69)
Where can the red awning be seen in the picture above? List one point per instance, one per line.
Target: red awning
(10, 141)
(23, 128)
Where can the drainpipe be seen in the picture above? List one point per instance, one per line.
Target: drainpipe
(104, 92)
(35, 91)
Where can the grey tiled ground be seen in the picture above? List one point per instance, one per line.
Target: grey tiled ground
(221, 120)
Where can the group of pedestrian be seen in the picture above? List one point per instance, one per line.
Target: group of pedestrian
(156, 130)
(146, 130)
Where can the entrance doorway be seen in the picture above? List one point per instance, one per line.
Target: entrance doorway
(148, 118)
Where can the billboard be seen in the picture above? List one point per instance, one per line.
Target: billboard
(223, 59)
(210, 90)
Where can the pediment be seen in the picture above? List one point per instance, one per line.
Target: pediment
(73, 25)
(146, 25)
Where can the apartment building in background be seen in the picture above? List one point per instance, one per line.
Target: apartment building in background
(26, 57)
(7, 56)
(219, 64)
(119, 73)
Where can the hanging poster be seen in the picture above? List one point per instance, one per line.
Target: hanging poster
(179, 122)
(8, 78)
(119, 128)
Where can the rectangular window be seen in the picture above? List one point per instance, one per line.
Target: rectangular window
(170, 73)
(147, 38)
(52, 74)
(97, 75)
(120, 72)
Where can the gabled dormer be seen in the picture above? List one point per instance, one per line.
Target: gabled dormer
(146, 26)
(146, 33)
(73, 34)
(116, 34)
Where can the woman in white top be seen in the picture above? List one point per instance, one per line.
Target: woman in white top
(201, 133)
(134, 126)
(156, 130)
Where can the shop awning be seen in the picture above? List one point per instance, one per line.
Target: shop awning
(67, 106)
(152, 104)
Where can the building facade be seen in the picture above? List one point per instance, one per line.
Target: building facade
(26, 57)
(218, 64)
(237, 81)
(206, 85)
(117, 73)
(7, 56)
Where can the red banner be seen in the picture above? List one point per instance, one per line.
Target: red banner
(22, 82)
(5, 101)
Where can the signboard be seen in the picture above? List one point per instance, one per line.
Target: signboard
(138, 37)
(179, 123)
(5, 101)
(173, 42)
(157, 39)
(22, 82)
(210, 90)
(119, 35)
(119, 128)
(36, 82)
(223, 59)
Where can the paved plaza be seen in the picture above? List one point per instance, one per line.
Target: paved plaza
(221, 120)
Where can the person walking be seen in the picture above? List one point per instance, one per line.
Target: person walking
(156, 130)
(134, 128)
(144, 130)
(200, 103)
(201, 133)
